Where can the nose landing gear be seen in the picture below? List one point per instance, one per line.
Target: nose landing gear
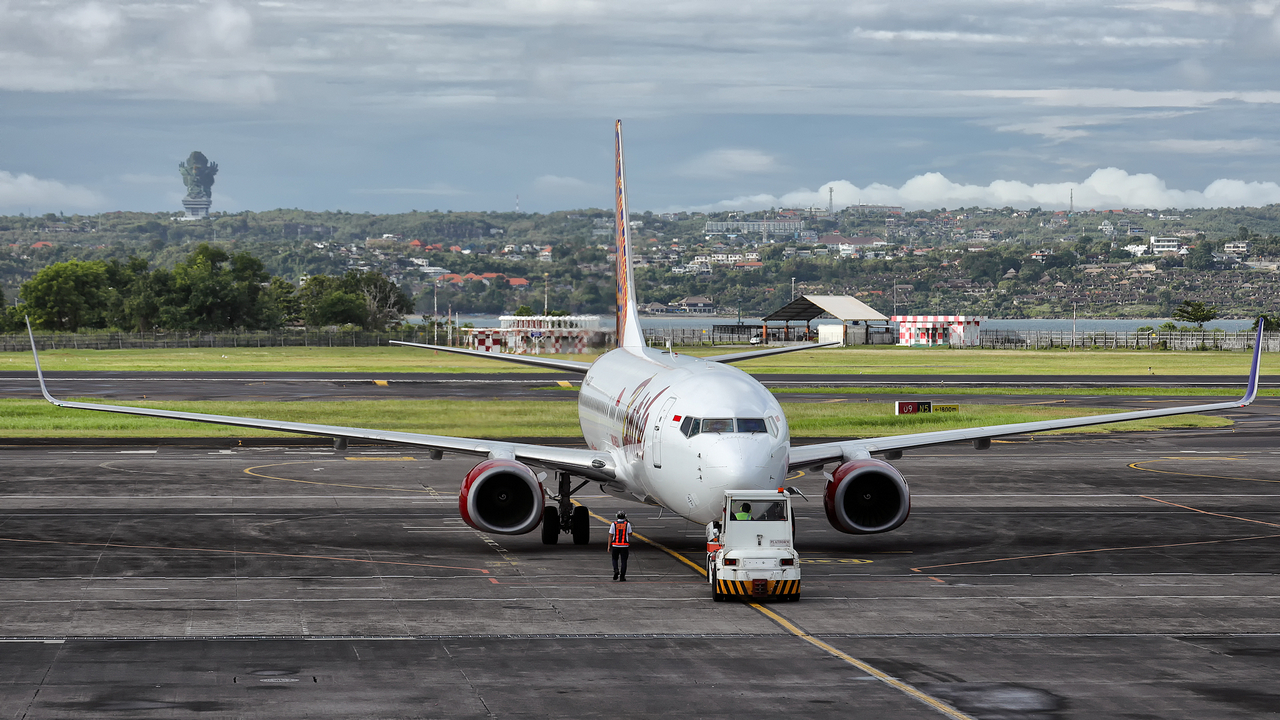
(564, 516)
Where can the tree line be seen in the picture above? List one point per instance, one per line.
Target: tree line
(210, 290)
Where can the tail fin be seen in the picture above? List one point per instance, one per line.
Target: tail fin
(629, 334)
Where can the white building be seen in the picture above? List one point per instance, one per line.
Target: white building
(1162, 245)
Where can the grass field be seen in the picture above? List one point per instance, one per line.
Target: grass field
(880, 360)
(35, 418)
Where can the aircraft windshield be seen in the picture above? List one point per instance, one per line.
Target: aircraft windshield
(759, 510)
(691, 426)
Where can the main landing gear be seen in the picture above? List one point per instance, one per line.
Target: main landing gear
(564, 516)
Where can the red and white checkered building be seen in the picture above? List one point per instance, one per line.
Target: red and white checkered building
(935, 330)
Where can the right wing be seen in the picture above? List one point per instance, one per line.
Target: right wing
(804, 456)
(584, 463)
(572, 366)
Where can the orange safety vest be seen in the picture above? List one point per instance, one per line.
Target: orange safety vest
(620, 534)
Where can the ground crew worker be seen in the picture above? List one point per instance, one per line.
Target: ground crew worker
(620, 545)
(744, 512)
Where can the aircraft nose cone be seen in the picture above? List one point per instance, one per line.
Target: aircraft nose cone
(733, 458)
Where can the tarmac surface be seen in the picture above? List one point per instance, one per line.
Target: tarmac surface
(1128, 576)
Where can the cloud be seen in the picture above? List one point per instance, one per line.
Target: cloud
(1125, 98)
(92, 26)
(559, 185)
(1106, 188)
(442, 189)
(1244, 146)
(728, 163)
(20, 192)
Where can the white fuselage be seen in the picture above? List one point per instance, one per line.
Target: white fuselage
(634, 403)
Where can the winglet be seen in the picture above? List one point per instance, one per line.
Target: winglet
(39, 372)
(1251, 391)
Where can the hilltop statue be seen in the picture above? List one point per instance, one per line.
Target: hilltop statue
(197, 173)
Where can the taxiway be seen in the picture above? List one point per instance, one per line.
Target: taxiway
(1101, 576)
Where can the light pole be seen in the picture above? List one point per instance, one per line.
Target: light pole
(1073, 326)
(793, 288)
(546, 293)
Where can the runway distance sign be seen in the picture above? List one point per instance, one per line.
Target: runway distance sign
(919, 407)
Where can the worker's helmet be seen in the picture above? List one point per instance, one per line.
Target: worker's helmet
(746, 507)
(622, 515)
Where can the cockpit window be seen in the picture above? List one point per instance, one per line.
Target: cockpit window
(691, 426)
(717, 425)
(688, 427)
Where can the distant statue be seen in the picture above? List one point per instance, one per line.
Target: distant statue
(197, 173)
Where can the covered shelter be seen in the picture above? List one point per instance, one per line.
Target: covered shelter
(853, 314)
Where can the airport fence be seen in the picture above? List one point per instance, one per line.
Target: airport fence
(1176, 340)
(291, 337)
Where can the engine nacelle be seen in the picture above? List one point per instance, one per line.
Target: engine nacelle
(866, 496)
(503, 497)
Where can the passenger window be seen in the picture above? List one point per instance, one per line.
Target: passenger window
(751, 425)
(717, 425)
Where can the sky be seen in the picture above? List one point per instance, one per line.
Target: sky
(397, 105)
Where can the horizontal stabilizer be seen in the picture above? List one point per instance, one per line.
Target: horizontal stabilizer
(766, 352)
(572, 366)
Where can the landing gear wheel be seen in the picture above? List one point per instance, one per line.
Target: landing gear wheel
(550, 526)
(581, 526)
(715, 596)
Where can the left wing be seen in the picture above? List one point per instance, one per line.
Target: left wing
(584, 463)
(812, 455)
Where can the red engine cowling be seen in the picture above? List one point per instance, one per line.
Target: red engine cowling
(503, 497)
(866, 496)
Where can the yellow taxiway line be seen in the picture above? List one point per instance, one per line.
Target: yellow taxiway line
(796, 631)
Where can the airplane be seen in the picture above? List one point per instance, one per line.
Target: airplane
(666, 429)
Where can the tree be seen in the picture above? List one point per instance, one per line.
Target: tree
(1194, 311)
(67, 295)
(1200, 257)
(365, 298)
(1270, 323)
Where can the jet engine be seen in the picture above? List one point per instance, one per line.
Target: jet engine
(866, 496)
(503, 497)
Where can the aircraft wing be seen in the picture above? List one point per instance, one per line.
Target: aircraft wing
(550, 363)
(584, 463)
(812, 455)
(766, 352)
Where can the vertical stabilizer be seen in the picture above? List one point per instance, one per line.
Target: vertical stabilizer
(629, 334)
